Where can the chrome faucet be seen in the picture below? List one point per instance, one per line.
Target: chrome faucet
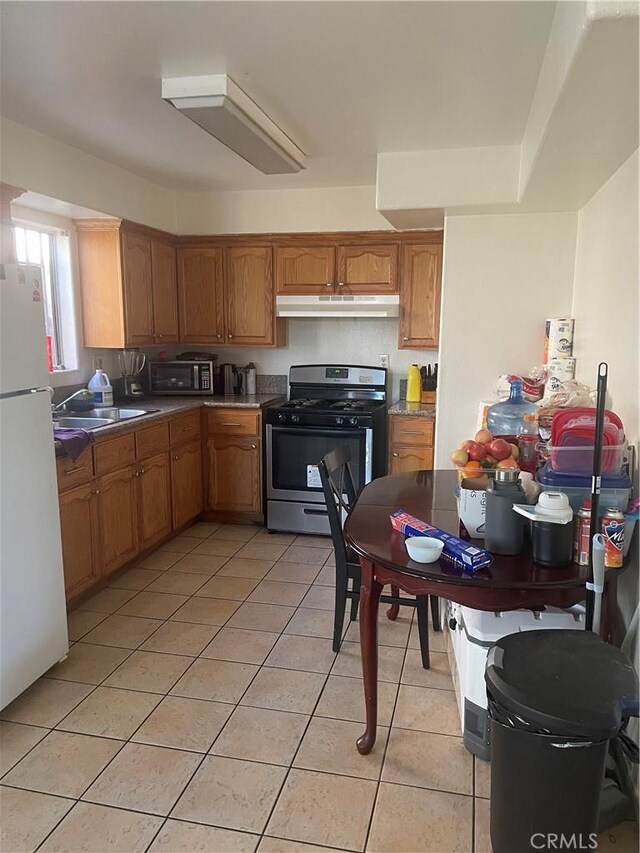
(55, 409)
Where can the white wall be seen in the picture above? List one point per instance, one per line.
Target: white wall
(44, 165)
(348, 340)
(605, 296)
(271, 211)
(503, 276)
(605, 305)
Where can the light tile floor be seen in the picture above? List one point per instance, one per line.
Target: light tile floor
(201, 708)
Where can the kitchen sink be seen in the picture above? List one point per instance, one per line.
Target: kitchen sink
(99, 417)
(83, 423)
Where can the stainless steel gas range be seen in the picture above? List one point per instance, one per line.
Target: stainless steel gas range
(329, 406)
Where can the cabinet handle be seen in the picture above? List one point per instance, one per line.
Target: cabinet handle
(253, 446)
(408, 432)
(229, 423)
(396, 454)
(96, 492)
(161, 336)
(329, 284)
(73, 470)
(218, 336)
(406, 338)
(230, 336)
(341, 284)
(175, 458)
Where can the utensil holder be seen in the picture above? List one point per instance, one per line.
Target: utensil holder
(428, 397)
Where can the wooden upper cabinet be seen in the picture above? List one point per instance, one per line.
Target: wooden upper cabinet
(367, 269)
(305, 270)
(200, 295)
(249, 298)
(420, 288)
(128, 284)
(138, 289)
(165, 292)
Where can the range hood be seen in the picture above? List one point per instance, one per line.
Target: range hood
(338, 306)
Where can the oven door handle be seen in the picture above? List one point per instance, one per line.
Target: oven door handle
(309, 511)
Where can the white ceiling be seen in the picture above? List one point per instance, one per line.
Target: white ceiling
(345, 80)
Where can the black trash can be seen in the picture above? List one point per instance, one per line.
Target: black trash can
(556, 698)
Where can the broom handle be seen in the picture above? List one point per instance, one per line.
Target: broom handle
(603, 370)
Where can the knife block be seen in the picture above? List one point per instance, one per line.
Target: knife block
(428, 397)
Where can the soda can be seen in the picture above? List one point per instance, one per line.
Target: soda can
(613, 536)
(582, 528)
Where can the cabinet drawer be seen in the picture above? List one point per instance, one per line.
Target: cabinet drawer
(233, 422)
(185, 427)
(114, 454)
(152, 440)
(411, 430)
(72, 473)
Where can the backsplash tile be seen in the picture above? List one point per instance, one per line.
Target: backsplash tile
(271, 383)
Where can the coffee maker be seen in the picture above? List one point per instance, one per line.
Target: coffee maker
(132, 364)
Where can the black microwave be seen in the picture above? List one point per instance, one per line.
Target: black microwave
(181, 377)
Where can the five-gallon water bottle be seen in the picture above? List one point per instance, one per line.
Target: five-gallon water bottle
(514, 416)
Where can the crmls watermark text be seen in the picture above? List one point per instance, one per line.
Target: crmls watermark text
(555, 841)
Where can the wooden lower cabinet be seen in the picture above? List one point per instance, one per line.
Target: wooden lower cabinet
(235, 482)
(153, 499)
(410, 459)
(117, 507)
(80, 529)
(186, 483)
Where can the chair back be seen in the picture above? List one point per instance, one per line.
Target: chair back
(339, 494)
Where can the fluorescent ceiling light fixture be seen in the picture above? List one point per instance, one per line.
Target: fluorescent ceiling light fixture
(221, 108)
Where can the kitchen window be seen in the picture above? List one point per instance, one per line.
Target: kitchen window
(49, 249)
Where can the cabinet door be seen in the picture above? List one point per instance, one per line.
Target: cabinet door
(249, 296)
(138, 291)
(186, 483)
(410, 459)
(420, 296)
(79, 526)
(200, 296)
(306, 270)
(153, 497)
(234, 474)
(165, 292)
(118, 519)
(368, 269)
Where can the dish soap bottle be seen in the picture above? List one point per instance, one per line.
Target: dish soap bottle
(101, 387)
(413, 384)
(513, 417)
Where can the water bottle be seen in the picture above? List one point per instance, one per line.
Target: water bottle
(101, 387)
(513, 417)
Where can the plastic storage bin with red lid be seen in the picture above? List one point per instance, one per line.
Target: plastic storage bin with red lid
(573, 438)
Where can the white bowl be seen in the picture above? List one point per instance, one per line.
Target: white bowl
(424, 549)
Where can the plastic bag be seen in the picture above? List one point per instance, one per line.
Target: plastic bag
(570, 393)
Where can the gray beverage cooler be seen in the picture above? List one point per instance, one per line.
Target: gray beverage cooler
(556, 700)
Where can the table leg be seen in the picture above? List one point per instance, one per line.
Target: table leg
(369, 600)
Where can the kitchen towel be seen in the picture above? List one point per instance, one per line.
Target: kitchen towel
(72, 441)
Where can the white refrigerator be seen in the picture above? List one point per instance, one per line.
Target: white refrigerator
(33, 626)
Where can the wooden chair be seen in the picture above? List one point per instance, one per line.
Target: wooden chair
(340, 496)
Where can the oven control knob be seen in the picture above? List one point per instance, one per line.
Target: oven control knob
(295, 419)
(353, 421)
(282, 417)
(339, 420)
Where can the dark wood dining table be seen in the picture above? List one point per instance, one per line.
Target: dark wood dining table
(508, 583)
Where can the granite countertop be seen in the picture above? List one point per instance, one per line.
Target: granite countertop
(159, 408)
(423, 410)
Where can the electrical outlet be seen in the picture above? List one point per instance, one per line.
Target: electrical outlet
(384, 361)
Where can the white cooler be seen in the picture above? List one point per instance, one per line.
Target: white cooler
(471, 634)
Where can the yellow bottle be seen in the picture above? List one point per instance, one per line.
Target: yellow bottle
(413, 384)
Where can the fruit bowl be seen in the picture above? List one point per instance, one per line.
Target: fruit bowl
(424, 549)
